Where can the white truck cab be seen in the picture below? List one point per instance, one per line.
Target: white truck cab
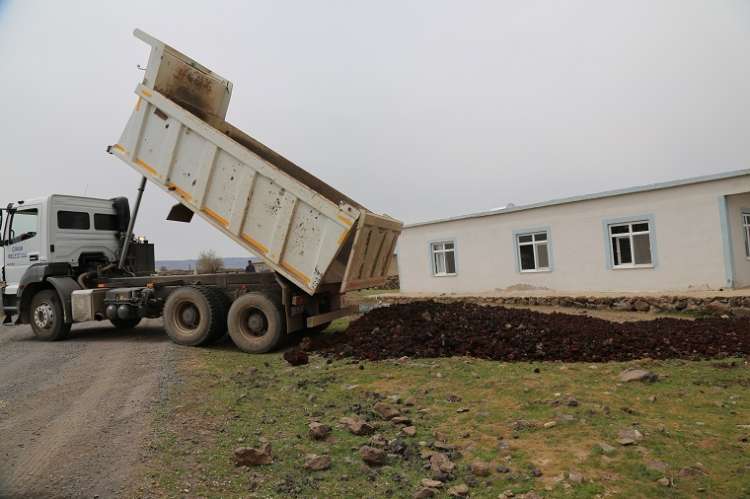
(80, 232)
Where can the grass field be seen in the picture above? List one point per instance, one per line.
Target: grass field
(693, 421)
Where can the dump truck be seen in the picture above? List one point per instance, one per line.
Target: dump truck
(71, 259)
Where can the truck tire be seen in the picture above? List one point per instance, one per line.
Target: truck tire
(124, 324)
(192, 316)
(47, 317)
(223, 303)
(255, 323)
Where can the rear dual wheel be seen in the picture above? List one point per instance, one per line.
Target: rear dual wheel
(194, 315)
(255, 323)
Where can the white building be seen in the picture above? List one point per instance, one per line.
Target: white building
(686, 234)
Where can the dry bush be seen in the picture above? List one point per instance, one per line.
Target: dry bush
(208, 262)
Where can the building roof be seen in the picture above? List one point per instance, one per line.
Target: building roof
(510, 208)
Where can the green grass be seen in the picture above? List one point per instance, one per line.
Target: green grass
(223, 404)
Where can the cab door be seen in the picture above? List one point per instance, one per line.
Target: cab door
(23, 244)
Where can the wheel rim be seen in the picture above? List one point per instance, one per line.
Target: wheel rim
(44, 316)
(253, 323)
(187, 316)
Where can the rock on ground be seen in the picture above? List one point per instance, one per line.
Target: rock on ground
(459, 490)
(372, 455)
(480, 468)
(296, 357)
(638, 375)
(319, 431)
(385, 411)
(249, 456)
(314, 462)
(357, 426)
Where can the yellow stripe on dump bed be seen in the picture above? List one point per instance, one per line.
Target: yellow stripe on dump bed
(296, 273)
(183, 194)
(345, 220)
(255, 244)
(147, 167)
(211, 213)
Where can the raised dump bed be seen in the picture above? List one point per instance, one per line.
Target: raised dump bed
(300, 226)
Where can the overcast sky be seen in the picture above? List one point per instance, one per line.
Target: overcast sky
(419, 109)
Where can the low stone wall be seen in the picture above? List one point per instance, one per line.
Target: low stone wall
(737, 306)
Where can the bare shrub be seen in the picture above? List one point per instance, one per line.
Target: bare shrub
(208, 262)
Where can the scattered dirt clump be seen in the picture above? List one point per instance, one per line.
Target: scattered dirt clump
(431, 329)
(296, 357)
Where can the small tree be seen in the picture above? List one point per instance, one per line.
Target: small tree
(208, 262)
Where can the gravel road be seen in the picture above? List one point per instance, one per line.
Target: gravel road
(74, 415)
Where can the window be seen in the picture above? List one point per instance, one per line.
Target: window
(443, 258)
(77, 220)
(631, 244)
(746, 230)
(533, 251)
(105, 222)
(24, 222)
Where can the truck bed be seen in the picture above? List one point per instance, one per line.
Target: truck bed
(303, 228)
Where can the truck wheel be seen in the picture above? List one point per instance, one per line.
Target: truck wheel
(255, 323)
(47, 316)
(191, 316)
(125, 323)
(223, 303)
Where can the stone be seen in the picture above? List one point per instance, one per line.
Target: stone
(606, 448)
(444, 446)
(629, 436)
(575, 477)
(718, 307)
(403, 420)
(664, 481)
(622, 305)
(409, 431)
(642, 306)
(441, 463)
(433, 484)
(424, 492)
(249, 456)
(502, 469)
(357, 426)
(480, 468)
(385, 411)
(378, 440)
(372, 456)
(630, 375)
(296, 357)
(459, 490)
(314, 462)
(741, 312)
(461, 410)
(550, 424)
(319, 431)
